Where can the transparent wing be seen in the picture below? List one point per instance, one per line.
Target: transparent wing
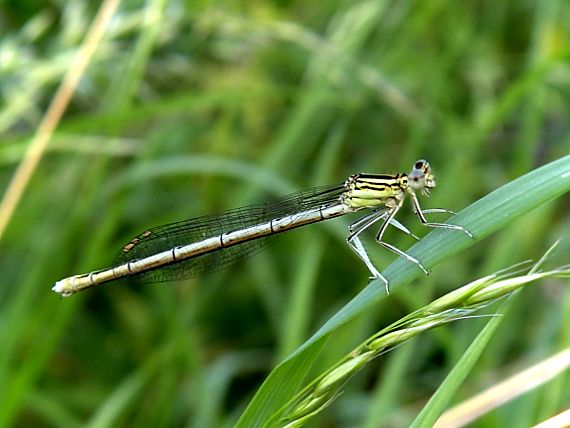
(165, 237)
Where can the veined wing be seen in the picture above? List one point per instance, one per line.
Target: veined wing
(165, 237)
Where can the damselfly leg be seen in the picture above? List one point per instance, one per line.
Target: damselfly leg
(418, 210)
(391, 213)
(364, 223)
(355, 244)
(388, 215)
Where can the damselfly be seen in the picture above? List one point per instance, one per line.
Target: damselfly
(204, 244)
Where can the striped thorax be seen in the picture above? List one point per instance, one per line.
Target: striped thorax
(383, 190)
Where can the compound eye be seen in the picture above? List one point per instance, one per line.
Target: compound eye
(419, 165)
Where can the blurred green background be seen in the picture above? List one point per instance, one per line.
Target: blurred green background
(193, 107)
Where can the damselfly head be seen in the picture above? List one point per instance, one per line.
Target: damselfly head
(421, 178)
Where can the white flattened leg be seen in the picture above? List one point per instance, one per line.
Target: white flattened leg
(380, 235)
(437, 210)
(418, 210)
(356, 245)
(369, 219)
(365, 222)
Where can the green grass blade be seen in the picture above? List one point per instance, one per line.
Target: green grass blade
(482, 218)
(444, 394)
(440, 400)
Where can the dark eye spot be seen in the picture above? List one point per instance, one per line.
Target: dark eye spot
(419, 165)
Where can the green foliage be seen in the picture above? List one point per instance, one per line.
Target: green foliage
(189, 108)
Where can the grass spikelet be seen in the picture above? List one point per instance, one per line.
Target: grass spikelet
(453, 306)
